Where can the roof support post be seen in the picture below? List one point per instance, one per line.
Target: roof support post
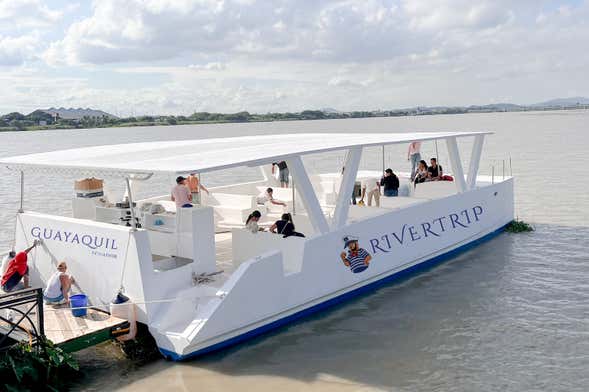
(475, 160)
(305, 188)
(22, 190)
(130, 194)
(456, 164)
(346, 189)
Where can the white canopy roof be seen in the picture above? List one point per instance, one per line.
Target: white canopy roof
(203, 155)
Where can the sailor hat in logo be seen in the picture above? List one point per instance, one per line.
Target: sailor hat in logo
(349, 239)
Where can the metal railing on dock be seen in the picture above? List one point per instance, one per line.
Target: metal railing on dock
(21, 317)
(24, 318)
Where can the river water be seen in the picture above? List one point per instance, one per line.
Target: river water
(510, 315)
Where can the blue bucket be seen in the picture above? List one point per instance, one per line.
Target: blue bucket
(79, 301)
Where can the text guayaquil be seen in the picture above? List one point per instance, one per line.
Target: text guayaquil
(99, 245)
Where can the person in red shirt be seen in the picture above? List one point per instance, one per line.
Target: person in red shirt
(17, 270)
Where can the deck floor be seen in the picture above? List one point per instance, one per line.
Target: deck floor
(223, 253)
(60, 325)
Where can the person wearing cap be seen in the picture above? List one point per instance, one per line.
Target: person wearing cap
(181, 194)
(195, 187)
(357, 259)
(16, 271)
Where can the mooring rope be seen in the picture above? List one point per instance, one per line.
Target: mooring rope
(121, 287)
(136, 303)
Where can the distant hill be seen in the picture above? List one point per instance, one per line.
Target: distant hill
(76, 114)
(563, 102)
(330, 110)
(497, 107)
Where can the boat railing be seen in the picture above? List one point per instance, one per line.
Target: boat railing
(21, 317)
(503, 169)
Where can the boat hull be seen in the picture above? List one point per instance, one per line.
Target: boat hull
(397, 250)
(396, 277)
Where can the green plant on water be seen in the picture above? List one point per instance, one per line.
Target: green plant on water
(518, 226)
(41, 368)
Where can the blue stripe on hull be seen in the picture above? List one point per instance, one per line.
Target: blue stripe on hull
(401, 275)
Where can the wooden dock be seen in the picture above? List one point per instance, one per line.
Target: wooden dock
(75, 333)
(62, 328)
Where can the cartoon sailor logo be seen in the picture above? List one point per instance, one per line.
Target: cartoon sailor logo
(356, 258)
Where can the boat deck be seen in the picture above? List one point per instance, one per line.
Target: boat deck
(61, 327)
(223, 251)
(74, 333)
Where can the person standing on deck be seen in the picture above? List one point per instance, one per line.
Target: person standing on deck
(16, 271)
(58, 286)
(181, 194)
(195, 187)
(414, 156)
(371, 188)
(282, 173)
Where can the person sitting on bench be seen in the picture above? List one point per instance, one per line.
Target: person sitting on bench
(16, 271)
(285, 226)
(434, 172)
(251, 223)
(58, 286)
(421, 173)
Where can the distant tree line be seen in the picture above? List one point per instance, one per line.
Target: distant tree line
(40, 119)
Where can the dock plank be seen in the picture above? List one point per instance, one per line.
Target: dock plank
(62, 326)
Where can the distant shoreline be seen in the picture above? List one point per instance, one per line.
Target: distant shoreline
(245, 117)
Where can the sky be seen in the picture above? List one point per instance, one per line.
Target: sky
(133, 57)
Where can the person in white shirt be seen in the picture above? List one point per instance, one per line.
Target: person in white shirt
(371, 188)
(251, 223)
(58, 286)
(266, 197)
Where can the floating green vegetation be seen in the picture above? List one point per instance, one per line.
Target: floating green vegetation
(518, 226)
(41, 368)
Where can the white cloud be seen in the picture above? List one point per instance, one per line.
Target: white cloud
(27, 14)
(230, 55)
(16, 50)
(214, 66)
(156, 30)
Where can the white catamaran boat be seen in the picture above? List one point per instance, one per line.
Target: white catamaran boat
(200, 281)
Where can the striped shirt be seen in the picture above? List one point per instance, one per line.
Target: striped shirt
(356, 260)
